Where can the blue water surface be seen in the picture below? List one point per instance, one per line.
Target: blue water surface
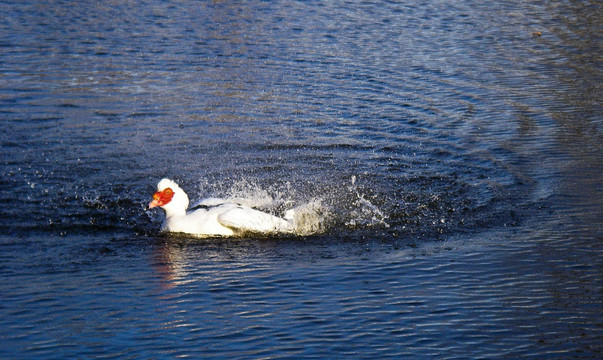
(452, 151)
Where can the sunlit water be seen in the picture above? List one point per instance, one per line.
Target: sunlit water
(447, 156)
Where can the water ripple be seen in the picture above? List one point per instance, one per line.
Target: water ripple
(453, 150)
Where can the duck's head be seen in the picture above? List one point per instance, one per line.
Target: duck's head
(170, 197)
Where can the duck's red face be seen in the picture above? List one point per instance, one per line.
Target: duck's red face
(161, 198)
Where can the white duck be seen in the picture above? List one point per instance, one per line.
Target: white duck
(212, 216)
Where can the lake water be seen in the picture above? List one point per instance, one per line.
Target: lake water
(450, 153)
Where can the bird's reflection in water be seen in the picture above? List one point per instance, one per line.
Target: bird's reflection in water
(181, 261)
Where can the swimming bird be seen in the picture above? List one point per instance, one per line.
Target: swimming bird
(212, 216)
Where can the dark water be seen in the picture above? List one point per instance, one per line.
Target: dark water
(452, 152)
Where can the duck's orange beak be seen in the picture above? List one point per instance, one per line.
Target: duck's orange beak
(155, 201)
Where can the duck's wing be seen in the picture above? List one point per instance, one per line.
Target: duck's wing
(245, 219)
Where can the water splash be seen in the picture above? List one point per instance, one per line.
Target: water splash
(309, 218)
(311, 212)
(363, 212)
(323, 210)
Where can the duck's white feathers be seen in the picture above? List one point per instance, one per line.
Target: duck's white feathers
(215, 216)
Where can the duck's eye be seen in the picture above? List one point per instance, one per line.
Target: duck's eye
(168, 191)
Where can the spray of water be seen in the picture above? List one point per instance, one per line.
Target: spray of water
(309, 214)
(363, 212)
